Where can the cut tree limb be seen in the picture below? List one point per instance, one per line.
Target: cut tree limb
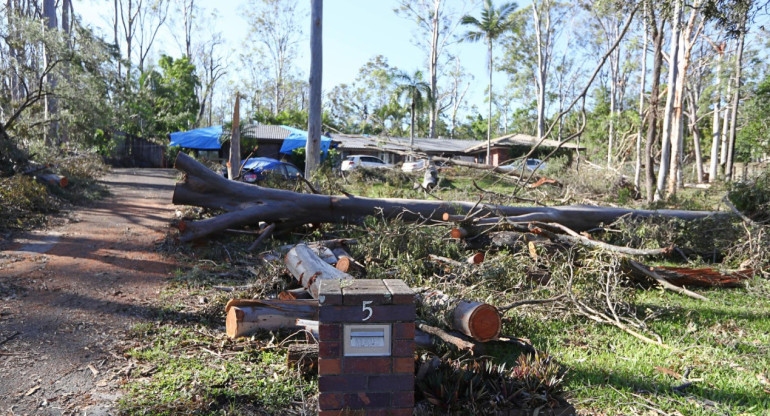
(477, 320)
(245, 316)
(248, 204)
(663, 282)
(458, 342)
(309, 269)
(574, 238)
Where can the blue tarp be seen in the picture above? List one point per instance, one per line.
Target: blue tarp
(260, 163)
(206, 138)
(298, 139)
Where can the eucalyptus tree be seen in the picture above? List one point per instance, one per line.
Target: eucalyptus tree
(274, 24)
(416, 91)
(492, 23)
(436, 25)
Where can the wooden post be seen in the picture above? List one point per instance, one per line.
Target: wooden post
(313, 146)
(234, 162)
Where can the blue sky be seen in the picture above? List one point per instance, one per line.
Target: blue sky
(354, 31)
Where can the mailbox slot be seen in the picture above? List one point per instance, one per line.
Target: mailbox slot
(366, 340)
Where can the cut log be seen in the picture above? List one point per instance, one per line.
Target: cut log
(477, 320)
(309, 269)
(52, 179)
(245, 316)
(248, 204)
(292, 294)
(477, 258)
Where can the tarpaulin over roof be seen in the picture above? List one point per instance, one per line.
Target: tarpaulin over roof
(298, 139)
(206, 138)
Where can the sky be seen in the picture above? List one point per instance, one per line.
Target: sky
(354, 31)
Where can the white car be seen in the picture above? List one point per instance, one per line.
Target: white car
(354, 161)
(414, 165)
(531, 165)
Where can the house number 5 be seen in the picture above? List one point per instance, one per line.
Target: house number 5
(366, 308)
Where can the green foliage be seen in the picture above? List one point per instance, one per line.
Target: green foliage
(753, 197)
(754, 138)
(165, 101)
(23, 203)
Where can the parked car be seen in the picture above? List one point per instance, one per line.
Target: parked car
(414, 165)
(531, 165)
(355, 161)
(257, 169)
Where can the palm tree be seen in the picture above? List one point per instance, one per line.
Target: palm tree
(492, 24)
(416, 90)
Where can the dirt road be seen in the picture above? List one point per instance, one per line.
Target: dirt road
(68, 295)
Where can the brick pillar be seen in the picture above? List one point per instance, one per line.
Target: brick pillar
(350, 380)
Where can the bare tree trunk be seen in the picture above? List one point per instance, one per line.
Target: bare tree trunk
(543, 59)
(652, 113)
(51, 24)
(489, 98)
(313, 146)
(736, 99)
(715, 139)
(615, 75)
(433, 69)
(643, 79)
(665, 144)
(234, 162)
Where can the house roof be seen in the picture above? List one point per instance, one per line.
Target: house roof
(265, 132)
(518, 139)
(401, 144)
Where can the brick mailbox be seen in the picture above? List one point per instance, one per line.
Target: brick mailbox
(366, 347)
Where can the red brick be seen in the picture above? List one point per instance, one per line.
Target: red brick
(366, 365)
(367, 400)
(330, 401)
(380, 313)
(403, 330)
(403, 348)
(341, 383)
(329, 332)
(377, 412)
(399, 291)
(329, 349)
(401, 412)
(403, 365)
(403, 399)
(330, 413)
(391, 382)
(329, 366)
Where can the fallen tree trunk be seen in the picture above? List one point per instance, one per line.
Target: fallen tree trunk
(309, 269)
(52, 179)
(245, 316)
(477, 320)
(248, 204)
(292, 294)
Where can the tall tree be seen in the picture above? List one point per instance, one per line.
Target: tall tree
(719, 49)
(437, 26)
(737, 90)
(642, 79)
(274, 25)
(492, 23)
(416, 91)
(51, 24)
(657, 35)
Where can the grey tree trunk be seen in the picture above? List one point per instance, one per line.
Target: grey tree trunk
(665, 144)
(313, 146)
(736, 99)
(234, 162)
(652, 113)
(715, 139)
(51, 24)
(433, 69)
(643, 79)
(489, 97)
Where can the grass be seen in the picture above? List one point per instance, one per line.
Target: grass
(194, 369)
(722, 347)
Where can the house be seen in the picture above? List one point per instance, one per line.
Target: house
(502, 148)
(395, 149)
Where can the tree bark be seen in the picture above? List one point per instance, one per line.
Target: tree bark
(736, 99)
(309, 269)
(652, 113)
(642, 80)
(313, 146)
(477, 320)
(234, 162)
(715, 139)
(665, 144)
(245, 316)
(249, 204)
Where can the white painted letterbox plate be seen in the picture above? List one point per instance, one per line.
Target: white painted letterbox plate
(366, 340)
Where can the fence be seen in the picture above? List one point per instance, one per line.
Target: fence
(134, 151)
